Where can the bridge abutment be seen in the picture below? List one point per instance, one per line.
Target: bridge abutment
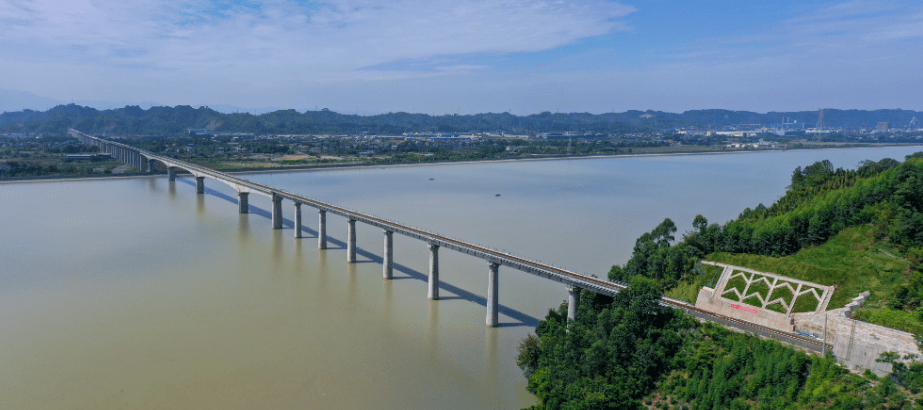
(298, 219)
(243, 202)
(350, 241)
(200, 185)
(321, 229)
(493, 294)
(276, 211)
(388, 264)
(433, 286)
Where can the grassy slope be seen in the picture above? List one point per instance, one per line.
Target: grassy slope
(852, 261)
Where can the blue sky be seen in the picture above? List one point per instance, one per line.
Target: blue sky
(469, 55)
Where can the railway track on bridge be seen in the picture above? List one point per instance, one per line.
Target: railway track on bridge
(572, 279)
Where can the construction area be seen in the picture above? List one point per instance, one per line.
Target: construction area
(797, 306)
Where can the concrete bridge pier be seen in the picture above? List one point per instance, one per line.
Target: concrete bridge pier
(433, 290)
(243, 202)
(276, 211)
(150, 166)
(573, 302)
(493, 294)
(351, 241)
(321, 229)
(171, 173)
(297, 219)
(200, 185)
(388, 264)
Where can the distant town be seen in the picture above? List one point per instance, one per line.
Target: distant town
(36, 144)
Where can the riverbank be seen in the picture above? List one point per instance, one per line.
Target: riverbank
(309, 168)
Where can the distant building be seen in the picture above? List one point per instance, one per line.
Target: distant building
(88, 157)
(883, 126)
(200, 131)
(449, 138)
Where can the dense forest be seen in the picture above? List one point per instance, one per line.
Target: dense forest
(628, 352)
(176, 120)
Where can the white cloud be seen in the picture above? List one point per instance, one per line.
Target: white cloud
(384, 56)
(275, 43)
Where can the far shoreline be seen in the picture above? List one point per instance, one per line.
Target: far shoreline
(319, 168)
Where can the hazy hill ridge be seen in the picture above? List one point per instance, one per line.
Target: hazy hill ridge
(176, 120)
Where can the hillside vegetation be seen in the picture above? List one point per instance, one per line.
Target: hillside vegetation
(856, 229)
(628, 352)
(853, 261)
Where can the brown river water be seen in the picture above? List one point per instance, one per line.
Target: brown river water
(138, 293)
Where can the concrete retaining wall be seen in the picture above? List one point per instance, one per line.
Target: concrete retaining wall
(708, 301)
(858, 344)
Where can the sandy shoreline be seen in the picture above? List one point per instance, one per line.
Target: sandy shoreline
(315, 168)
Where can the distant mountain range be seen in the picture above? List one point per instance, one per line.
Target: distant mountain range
(177, 120)
(15, 100)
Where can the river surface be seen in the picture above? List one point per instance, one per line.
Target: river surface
(138, 293)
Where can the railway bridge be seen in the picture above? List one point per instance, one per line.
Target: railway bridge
(574, 282)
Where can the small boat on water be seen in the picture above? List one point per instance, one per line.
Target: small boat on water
(432, 179)
(497, 195)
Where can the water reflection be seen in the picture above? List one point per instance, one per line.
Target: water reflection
(243, 229)
(432, 333)
(200, 205)
(277, 251)
(492, 359)
(351, 275)
(387, 288)
(299, 259)
(322, 269)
